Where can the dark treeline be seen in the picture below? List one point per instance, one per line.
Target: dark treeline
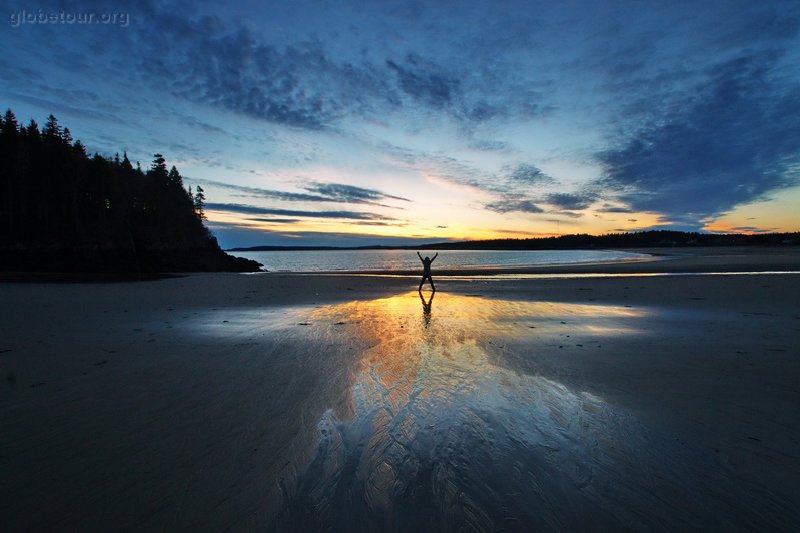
(641, 239)
(63, 210)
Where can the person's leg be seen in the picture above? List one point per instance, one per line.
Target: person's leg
(433, 287)
(421, 282)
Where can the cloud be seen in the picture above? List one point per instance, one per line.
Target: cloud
(339, 192)
(612, 209)
(377, 223)
(751, 229)
(570, 201)
(509, 205)
(308, 66)
(731, 142)
(232, 70)
(254, 210)
(528, 174)
(521, 190)
(327, 192)
(298, 82)
(424, 81)
(523, 179)
(274, 220)
(257, 192)
(570, 214)
(310, 78)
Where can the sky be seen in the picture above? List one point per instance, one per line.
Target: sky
(357, 122)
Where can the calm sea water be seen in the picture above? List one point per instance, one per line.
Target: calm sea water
(373, 260)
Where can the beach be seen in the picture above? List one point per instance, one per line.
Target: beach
(622, 401)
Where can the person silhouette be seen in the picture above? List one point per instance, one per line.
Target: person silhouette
(426, 270)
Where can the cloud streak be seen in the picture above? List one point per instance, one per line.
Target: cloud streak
(255, 210)
(325, 192)
(510, 205)
(339, 192)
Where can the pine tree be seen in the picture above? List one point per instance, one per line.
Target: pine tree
(158, 168)
(10, 125)
(126, 163)
(32, 130)
(51, 128)
(66, 136)
(200, 203)
(174, 177)
(78, 148)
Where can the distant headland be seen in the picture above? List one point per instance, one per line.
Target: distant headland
(62, 210)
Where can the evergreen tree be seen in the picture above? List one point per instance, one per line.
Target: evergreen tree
(66, 136)
(10, 125)
(200, 203)
(79, 149)
(158, 168)
(51, 128)
(32, 131)
(126, 163)
(174, 177)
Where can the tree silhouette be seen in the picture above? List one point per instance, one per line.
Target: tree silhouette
(200, 203)
(10, 125)
(174, 178)
(158, 168)
(51, 128)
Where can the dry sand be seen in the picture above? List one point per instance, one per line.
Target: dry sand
(231, 401)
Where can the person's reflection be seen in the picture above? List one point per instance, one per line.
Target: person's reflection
(426, 308)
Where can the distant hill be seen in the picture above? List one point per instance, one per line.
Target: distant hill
(62, 210)
(641, 239)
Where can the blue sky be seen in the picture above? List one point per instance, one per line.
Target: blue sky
(357, 122)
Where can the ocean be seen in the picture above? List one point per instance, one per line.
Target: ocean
(382, 260)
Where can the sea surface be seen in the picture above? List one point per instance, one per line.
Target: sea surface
(381, 260)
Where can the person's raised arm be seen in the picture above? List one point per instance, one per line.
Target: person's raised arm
(435, 256)
(420, 257)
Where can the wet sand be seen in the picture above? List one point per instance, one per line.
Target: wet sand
(290, 402)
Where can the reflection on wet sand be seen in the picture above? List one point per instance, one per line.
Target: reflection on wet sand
(427, 306)
(441, 436)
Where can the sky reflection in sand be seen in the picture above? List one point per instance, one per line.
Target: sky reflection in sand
(442, 436)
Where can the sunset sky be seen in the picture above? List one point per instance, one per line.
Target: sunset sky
(370, 122)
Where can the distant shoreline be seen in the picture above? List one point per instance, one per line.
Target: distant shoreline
(661, 260)
(644, 239)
